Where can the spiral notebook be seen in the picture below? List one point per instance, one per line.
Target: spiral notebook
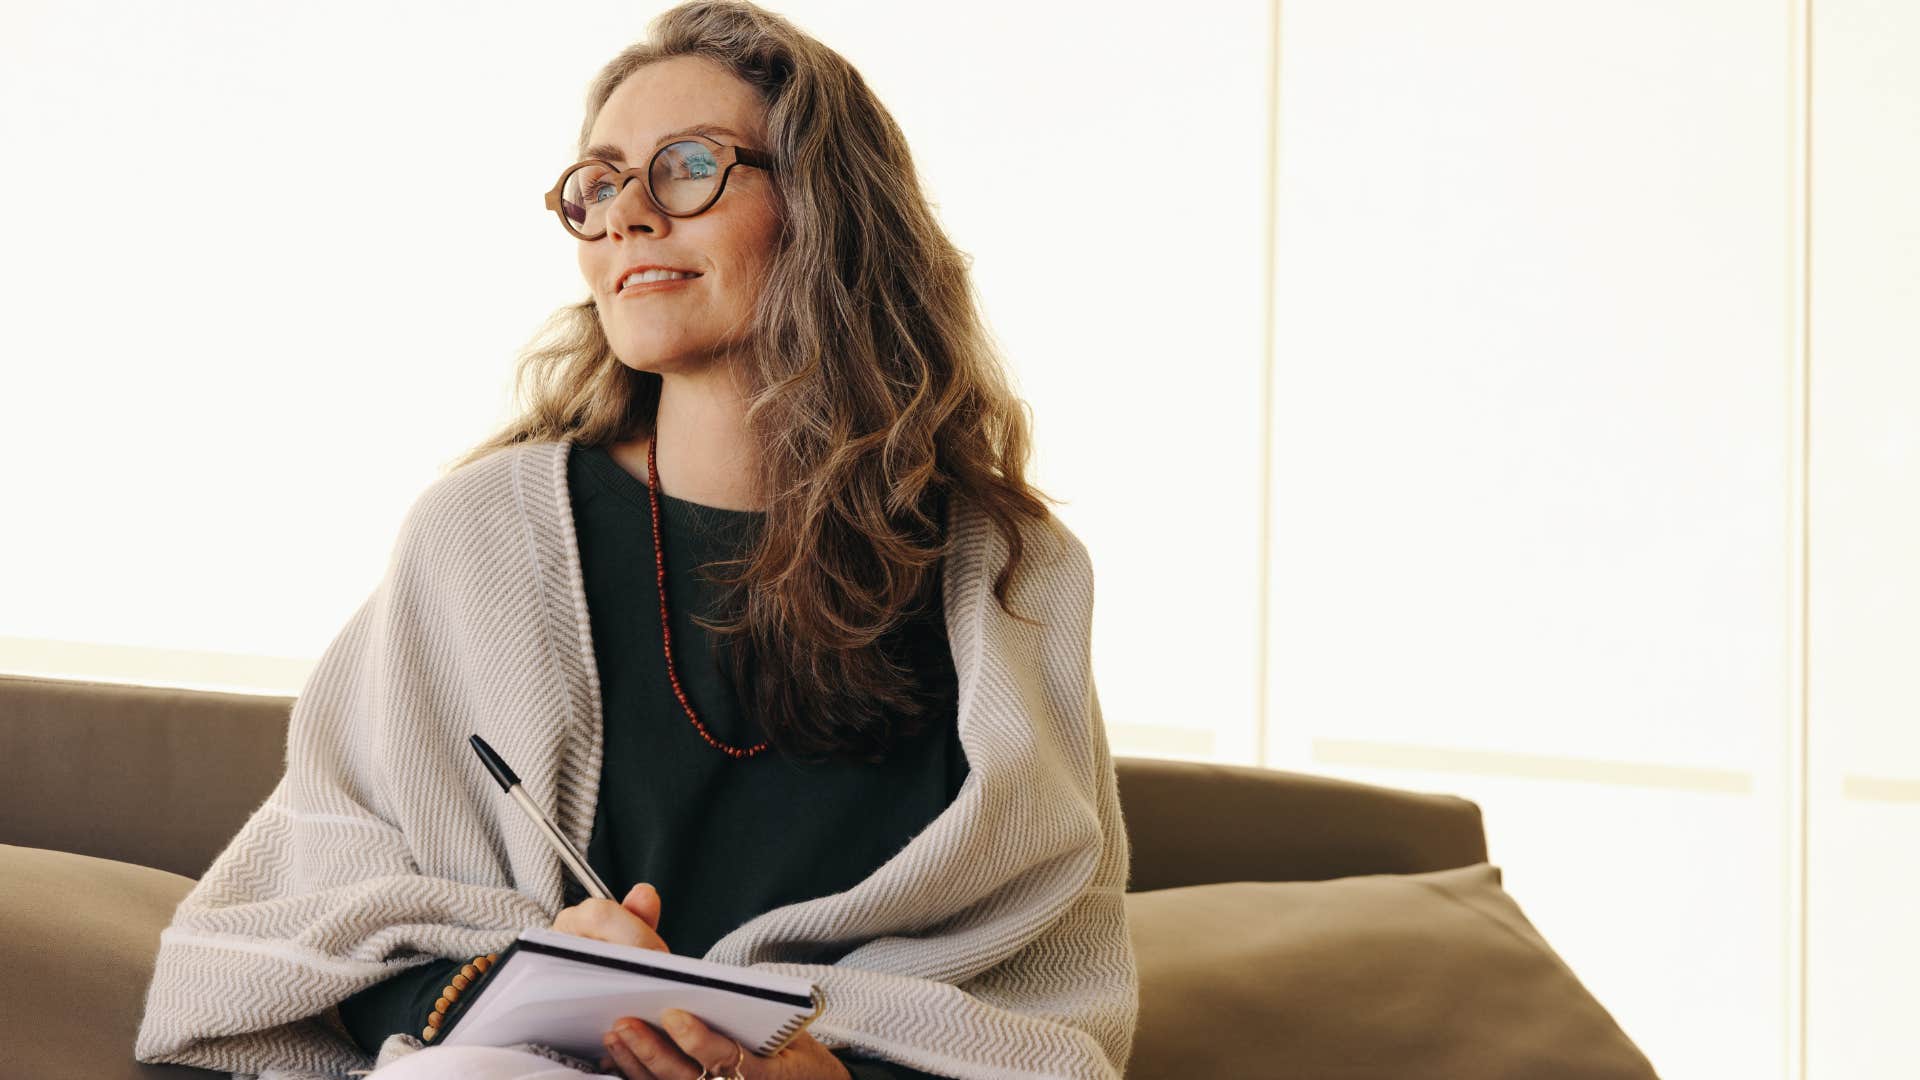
(565, 991)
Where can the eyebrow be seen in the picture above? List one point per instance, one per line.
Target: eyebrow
(611, 152)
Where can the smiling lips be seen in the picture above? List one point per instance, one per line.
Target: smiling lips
(648, 268)
(649, 286)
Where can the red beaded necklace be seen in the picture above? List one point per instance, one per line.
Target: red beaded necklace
(666, 630)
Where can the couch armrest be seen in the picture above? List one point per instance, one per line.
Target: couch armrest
(154, 775)
(1194, 823)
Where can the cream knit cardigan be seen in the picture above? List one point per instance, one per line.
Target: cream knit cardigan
(993, 945)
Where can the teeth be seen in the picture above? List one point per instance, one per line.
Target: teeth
(655, 275)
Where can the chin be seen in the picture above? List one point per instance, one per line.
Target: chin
(654, 357)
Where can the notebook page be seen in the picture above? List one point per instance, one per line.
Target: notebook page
(655, 958)
(576, 1025)
(570, 1003)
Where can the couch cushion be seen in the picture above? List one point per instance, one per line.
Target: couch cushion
(81, 935)
(1380, 976)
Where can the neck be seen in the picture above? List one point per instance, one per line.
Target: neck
(705, 455)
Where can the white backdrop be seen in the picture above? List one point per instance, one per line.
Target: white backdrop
(1455, 428)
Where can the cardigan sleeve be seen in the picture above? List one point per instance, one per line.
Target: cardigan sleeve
(322, 893)
(1082, 966)
(399, 1004)
(876, 1069)
(1056, 993)
(865, 1068)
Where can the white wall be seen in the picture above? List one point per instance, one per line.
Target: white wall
(1593, 468)
(1531, 540)
(1863, 616)
(1520, 404)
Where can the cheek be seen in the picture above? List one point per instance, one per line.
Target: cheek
(770, 224)
(753, 248)
(589, 266)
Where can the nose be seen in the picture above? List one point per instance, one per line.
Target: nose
(632, 209)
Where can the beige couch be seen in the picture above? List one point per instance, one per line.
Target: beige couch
(1287, 924)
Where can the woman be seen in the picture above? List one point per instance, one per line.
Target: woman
(870, 755)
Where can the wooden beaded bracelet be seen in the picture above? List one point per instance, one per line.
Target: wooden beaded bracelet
(469, 974)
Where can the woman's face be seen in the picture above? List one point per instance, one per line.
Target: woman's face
(684, 327)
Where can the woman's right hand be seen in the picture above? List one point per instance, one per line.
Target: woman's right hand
(630, 922)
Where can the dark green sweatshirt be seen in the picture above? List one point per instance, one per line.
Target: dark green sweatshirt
(721, 839)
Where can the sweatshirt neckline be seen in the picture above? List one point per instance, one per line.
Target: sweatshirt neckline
(673, 510)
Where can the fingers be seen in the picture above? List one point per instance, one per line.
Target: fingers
(644, 900)
(706, 1047)
(687, 1048)
(605, 920)
(625, 1065)
(643, 1053)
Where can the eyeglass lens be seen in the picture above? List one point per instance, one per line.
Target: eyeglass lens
(683, 176)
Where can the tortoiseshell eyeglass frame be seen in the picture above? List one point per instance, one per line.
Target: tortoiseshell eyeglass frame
(726, 155)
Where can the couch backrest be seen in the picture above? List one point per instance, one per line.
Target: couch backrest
(164, 777)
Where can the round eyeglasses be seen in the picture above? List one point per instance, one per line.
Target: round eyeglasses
(683, 178)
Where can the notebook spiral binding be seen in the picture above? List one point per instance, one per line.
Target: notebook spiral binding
(779, 1040)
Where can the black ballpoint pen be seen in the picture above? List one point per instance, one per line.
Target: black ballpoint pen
(569, 854)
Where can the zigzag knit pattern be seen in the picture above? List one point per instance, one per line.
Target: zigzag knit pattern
(994, 945)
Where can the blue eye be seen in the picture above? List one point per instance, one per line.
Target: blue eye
(691, 161)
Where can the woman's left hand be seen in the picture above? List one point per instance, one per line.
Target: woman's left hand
(643, 1052)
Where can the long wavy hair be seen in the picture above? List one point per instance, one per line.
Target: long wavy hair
(875, 396)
